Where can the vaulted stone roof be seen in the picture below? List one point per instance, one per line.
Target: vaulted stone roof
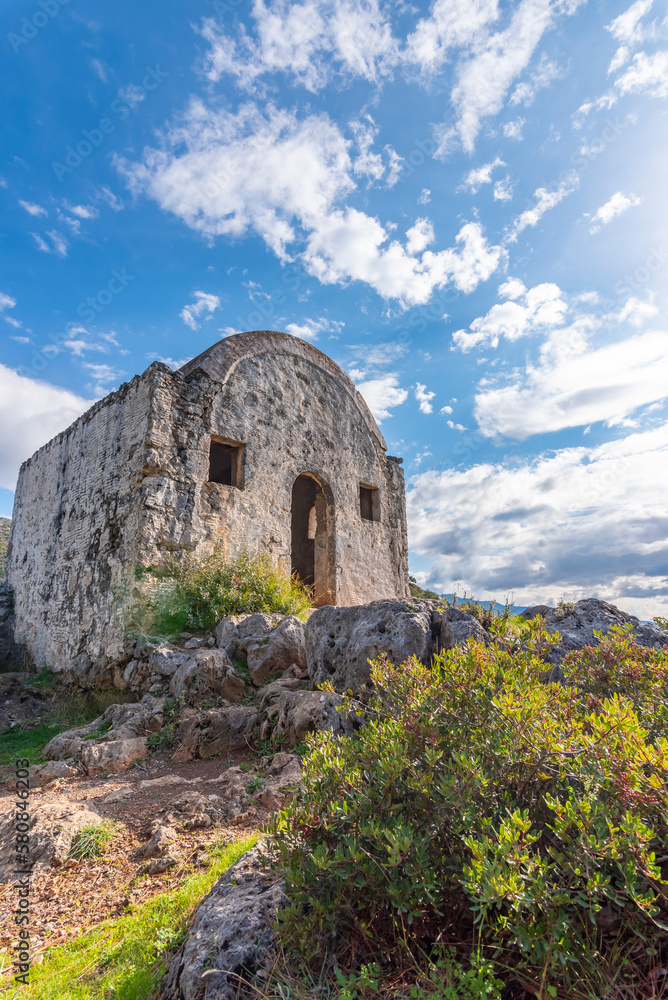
(220, 360)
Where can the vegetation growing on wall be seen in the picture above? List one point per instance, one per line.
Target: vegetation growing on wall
(481, 816)
(192, 594)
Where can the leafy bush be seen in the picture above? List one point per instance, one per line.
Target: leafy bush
(477, 802)
(193, 594)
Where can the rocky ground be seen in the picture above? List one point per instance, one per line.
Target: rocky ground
(196, 747)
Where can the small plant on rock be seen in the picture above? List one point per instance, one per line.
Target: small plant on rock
(90, 841)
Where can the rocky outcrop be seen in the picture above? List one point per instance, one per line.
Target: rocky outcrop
(206, 673)
(341, 641)
(231, 939)
(291, 714)
(207, 732)
(576, 624)
(282, 648)
(53, 827)
(113, 740)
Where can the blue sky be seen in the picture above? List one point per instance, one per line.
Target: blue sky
(463, 203)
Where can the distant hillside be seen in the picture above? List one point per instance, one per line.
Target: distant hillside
(5, 524)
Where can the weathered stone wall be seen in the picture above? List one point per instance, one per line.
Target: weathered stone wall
(75, 527)
(127, 483)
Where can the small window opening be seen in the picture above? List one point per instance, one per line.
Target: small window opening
(369, 503)
(225, 463)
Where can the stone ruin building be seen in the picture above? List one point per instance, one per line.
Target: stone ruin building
(260, 442)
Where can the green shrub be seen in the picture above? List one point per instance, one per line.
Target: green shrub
(27, 743)
(163, 741)
(477, 802)
(193, 594)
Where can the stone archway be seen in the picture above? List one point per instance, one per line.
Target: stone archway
(313, 540)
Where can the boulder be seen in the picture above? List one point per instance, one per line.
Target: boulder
(576, 624)
(281, 648)
(231, 937)
(158, 844)
(207, 672)
(211, 731)
(53, 827)
(124, 726)
(236, 632)
(166, 659)
(44, 774)
(294, 714)
(283, 778)
(113, 755)
(341, 641)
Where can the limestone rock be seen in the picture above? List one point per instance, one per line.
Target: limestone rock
(207, 672)
(158, 844)
(576, 625)
(44, 774)
(113, 755)
(192, 811)
(231, 935)
(341, 641)
(53, 827)
(283, 777)
(123, 724)
(165, 659)
(297, 713)
(236, 632)
(208, 732)
(283, 647)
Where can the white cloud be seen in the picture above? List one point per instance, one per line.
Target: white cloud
(282, 178)
(451, 24)
(503, 189)
(82, 211)
(204, 303)
(545, 73)
(33, 209)
(574, 385)
(106, 195)
(425, 197)
(545, 200)
(310, 329)
(627, 30)
(478, 176)
(424, 398)
(513, 129)
(484, 80)
(6, 301)
(58, 243)
(445, 410)
(647, 75)
(419, 236)
(105, 378)
(31, 413)
(542, 308)
(635, 311)
(579, 523)
(615, 206)
(382, 395)
(310, 42)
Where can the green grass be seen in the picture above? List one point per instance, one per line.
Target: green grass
(124, 958)
(29, 743)
(90, 840)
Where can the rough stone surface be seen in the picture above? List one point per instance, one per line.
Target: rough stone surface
(297, 713)
(53, 827)
(128, 484)
(112, 755)
(576, 625)
(206, 672)
(208, 732)
(126, 728)
(158, 844)
(341, 641)
(44, 774)
(284, 647)
(231, 934)
(11, 652)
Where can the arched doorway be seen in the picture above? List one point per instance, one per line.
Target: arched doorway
(313, 543)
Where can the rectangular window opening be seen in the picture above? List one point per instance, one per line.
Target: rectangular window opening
(369, 503)
(225, 464)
